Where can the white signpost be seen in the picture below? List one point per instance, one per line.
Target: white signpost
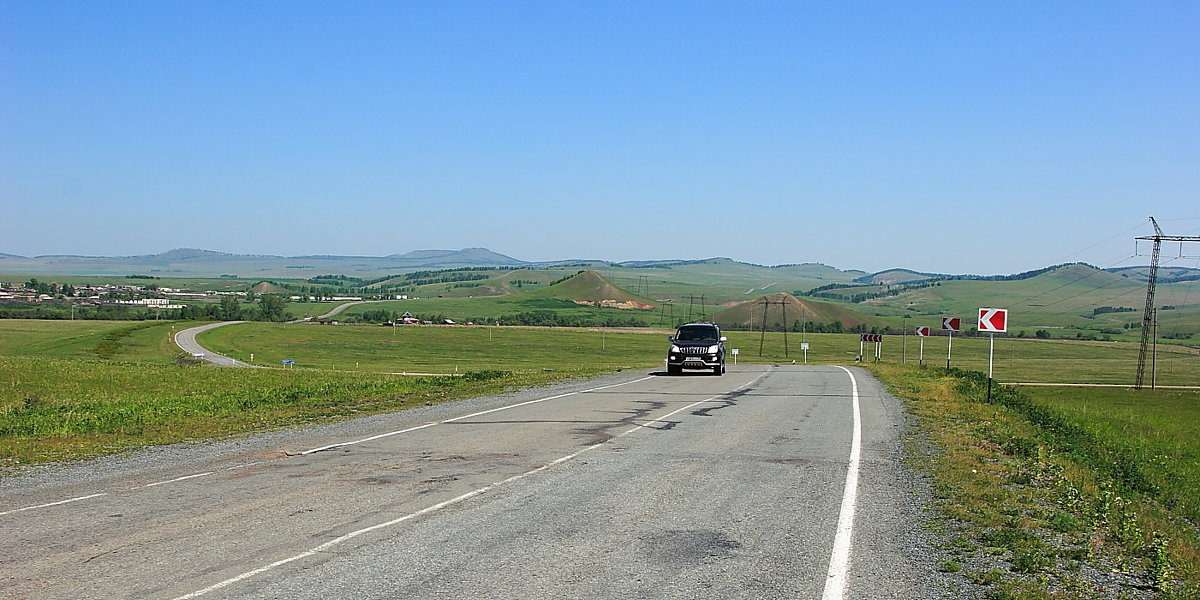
(950, 324)
(922, 332)
(992, 321)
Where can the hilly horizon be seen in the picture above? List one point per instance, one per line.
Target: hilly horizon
(198, 262)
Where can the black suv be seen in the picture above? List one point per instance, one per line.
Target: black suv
(697, 346)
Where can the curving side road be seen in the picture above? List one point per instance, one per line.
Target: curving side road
(186, 340)
(342, 307)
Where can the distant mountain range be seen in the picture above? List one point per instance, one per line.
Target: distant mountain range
(199, 263)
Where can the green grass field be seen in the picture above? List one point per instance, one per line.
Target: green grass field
(132, 341)
(438, 349)
(443, 349)
(1153, 432)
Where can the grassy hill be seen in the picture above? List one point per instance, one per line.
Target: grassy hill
(593, 289)
(782, 311)
(1067, 301)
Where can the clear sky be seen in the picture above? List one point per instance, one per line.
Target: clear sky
(962, 137)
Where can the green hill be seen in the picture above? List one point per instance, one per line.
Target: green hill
(592, 288)
(782, 311)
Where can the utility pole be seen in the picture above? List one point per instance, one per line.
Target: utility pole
(766, 304)
(1148, 316)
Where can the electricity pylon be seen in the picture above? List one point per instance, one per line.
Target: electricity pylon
(1151, 281)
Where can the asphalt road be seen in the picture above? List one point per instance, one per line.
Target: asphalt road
(186, 340)
(639, 485)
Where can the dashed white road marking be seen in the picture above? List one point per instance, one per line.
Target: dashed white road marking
(341, 444)
(17, 510)
(184, 478)
(470, 416)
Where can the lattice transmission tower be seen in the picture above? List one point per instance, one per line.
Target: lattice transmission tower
(1151, 282)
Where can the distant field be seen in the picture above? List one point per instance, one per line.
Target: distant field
(442, 349)
(480, 310)
(437, 349)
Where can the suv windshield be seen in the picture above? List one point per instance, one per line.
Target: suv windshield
(696, 334)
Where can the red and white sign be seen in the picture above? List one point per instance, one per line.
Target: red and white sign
(993, 320)
(871, 337)
(923, 331)
(952, 323)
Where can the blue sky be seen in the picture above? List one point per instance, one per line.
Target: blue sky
(949, 137)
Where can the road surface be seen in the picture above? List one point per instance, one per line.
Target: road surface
(186, 340)
(639, 485)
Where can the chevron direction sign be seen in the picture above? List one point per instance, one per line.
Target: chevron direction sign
(993, 320)
(923, 331)
(951, 323)
(871, 337)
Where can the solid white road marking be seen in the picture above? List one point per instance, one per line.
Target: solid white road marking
(452, 501)
(839, 559)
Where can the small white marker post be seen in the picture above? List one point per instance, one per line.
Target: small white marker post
(950, 324)
(804, 347)
(922, 332)
(735, 353)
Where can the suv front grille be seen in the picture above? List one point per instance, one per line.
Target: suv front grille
(694, 350)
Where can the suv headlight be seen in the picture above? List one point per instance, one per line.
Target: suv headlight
(675, 349)
(714, 349)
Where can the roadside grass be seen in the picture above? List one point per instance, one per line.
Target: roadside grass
(1076, 493)
(60, 409)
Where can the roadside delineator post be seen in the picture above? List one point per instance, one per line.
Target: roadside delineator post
(992, 321)
(922, 332)
(950, 324)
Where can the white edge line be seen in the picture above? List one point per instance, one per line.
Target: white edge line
(839, 558)
(53, 503)
(436, 507)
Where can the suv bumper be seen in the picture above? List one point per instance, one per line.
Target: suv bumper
(692, 361)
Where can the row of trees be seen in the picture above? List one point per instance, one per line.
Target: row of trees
(269, 307)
